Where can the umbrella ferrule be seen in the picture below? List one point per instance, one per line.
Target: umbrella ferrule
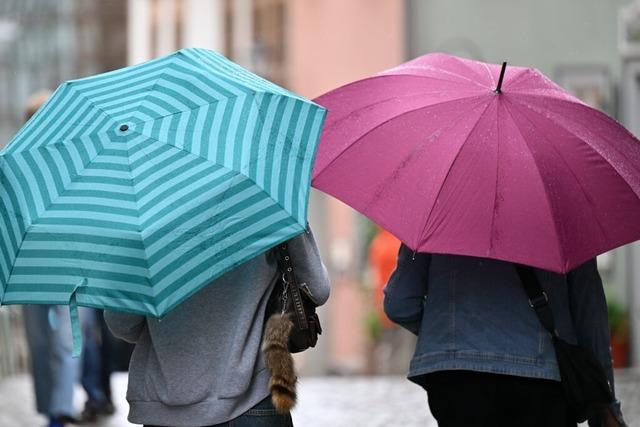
(504, 68)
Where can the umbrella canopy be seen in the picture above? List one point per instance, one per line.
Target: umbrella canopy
(131, 190)
(529, 174)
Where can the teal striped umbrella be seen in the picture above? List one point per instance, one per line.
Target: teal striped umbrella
(130, 190)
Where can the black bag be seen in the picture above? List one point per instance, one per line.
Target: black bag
(584, 381)
(296, 300)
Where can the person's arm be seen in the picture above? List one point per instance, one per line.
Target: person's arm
(127, 327)
(309, 269)
(405, 293)
(591, 322)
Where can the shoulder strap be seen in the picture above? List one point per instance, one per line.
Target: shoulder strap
(538, 299)
(286, 267)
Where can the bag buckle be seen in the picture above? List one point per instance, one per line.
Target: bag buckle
(539, 301)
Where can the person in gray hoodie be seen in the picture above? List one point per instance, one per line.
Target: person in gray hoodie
(201, 364)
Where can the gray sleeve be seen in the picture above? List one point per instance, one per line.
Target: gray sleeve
(308, 266)
(125, 326)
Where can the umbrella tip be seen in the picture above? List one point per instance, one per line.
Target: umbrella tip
(504, 68)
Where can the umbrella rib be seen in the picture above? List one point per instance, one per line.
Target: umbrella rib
(428, 216)
(462, 78)
(495, 195)
(361, 137)
(351, 113)
(546, 194)
(586, 195)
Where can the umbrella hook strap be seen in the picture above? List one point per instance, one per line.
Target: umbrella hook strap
(76, 330)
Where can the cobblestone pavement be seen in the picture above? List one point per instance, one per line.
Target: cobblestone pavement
(324, 402)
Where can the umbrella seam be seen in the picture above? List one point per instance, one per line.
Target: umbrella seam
(586, 196)
(546, 194)
(444, 180)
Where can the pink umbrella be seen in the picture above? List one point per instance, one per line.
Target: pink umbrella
(450, 160)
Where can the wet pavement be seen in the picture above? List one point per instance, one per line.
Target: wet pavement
(324, 401)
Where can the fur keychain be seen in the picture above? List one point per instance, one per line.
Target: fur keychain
(275, 347)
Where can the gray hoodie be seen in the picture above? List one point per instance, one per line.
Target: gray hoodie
(201, 364)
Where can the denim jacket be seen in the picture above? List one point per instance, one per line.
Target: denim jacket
(473, 314)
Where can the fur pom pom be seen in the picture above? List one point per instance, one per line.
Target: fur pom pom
(279, 362)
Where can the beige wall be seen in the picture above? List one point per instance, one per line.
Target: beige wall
(330, 43)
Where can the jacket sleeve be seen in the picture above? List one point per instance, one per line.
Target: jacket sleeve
(590, 319)
(406, 291)
(308, 266)
(127, 327)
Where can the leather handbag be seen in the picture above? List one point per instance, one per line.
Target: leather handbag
(584, 382)
(296, 300)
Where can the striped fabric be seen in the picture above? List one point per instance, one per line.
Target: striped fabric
(131, 190)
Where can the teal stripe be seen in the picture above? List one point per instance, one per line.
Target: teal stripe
(108, 195)
(245, 123)
(232, 143)
(124, 182)
(261, 117)
(52, 236)
(290, 146)
(305, 140)
(78, 272)
(209, 126)
(309, 161)
(107, 166)
(270, 149)
(88, 222)
(18, 219)
(222, 142)
(86, 207)
(59, 253)
(195, 145)
(56, 292)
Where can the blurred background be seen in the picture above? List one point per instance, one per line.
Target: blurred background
(590, 47)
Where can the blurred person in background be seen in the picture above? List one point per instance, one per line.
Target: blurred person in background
(482, 354)
(96, 375)
(48, 330)
(392, 343)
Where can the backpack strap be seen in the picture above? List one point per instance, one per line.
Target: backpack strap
(538, 299)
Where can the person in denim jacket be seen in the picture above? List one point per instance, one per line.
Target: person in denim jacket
(482, 354)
